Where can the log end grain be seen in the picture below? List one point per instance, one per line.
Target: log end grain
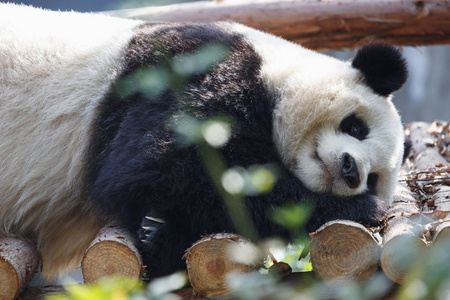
(398, 254)
(344, 250)
(112, 253)
(211, 259)
(9, 281)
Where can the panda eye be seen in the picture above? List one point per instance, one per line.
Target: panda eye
(354, 127)
(354, 131)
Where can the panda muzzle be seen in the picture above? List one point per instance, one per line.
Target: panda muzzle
(349, 171)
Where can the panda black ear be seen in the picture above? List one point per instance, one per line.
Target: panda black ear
(383, 67)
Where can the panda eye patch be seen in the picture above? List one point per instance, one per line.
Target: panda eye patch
(354, 127)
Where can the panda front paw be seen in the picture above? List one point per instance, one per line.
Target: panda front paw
(149, 227)
(371, 210)
(163, 243)
(365, 209)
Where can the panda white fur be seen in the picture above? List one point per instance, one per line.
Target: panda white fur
(75, 155)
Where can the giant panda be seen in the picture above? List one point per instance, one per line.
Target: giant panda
(77, 152)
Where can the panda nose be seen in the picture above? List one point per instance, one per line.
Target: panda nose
(349, 171)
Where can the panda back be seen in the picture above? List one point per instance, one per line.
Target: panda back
(54, 69)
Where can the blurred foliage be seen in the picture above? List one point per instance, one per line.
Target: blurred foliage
(293, 216)
(119, 288)
(111, 288)
(289, 254)
(171, 73)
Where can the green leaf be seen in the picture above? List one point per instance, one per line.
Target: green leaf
(293, 216)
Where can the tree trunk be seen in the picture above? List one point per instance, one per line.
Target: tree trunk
(320, 25)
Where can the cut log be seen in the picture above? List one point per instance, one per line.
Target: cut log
(402, 240)
(18, 263)
(320, 25)
(344, 250)
(112, 252)
(214, 257)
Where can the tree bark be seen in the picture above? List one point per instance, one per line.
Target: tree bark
(212, 258)
(18, 263)
(112, 252)
(320, 25)
(344, 249)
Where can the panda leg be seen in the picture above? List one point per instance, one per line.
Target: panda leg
(163, 246)
(366, 209)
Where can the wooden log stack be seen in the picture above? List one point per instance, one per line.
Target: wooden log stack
(341, 249)
(111, 253)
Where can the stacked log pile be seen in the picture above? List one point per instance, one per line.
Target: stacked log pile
(420, 216)
(112, 252)
(340, 249)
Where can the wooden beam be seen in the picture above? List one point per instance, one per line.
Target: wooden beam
(322, 24)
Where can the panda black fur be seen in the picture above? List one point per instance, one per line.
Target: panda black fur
(76, 153)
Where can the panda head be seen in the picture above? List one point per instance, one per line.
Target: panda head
(335, 125)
